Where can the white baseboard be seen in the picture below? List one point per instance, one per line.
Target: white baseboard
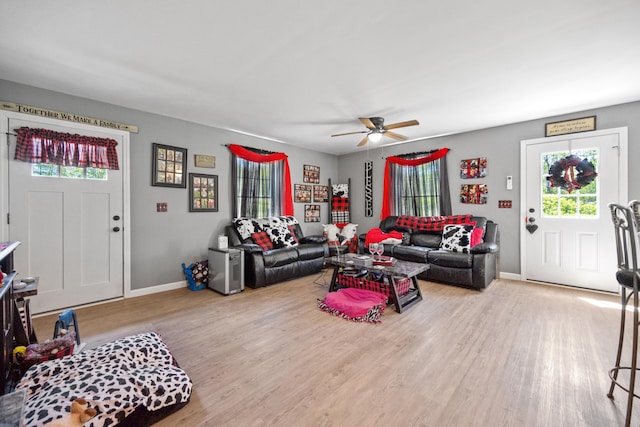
(155, 289)
(509, 276)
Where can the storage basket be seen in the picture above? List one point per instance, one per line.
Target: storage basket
(48, 350)
(197, 275)
(403, 284)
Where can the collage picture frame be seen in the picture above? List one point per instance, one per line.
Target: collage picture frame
(169, 166)
(203, 193)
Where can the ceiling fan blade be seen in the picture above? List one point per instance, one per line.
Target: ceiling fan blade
(364, 141)
(350, 133)
(395, 136)
(401, 124)
(367, 122)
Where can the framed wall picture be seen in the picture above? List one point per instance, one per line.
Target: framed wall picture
(473, 168)
(301, 193)
(169, 166)
(474, 194)
(203, 193)
(320, 193)
(311, 174)
(311, 213)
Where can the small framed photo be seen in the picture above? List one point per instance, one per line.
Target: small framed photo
(311, 174)
(169, 166)
(301, 193)
(311, 213)
(320, 193)
(203, 193)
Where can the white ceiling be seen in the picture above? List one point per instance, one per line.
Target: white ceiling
(297, 72)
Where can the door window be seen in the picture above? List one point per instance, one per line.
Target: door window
(569, 201)
(49, 170)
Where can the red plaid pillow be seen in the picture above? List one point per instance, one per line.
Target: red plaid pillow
(262, 238)
(293, 233)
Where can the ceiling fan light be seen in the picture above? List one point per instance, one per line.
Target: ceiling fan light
(375, 137)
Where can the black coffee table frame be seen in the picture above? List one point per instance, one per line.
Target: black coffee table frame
(400, 268)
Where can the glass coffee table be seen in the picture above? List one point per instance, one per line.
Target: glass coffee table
(400, 277)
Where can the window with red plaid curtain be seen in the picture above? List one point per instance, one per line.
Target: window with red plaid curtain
(65, 149)
(416, 185)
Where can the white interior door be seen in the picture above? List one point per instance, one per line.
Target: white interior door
(67, 227)
(568, 235)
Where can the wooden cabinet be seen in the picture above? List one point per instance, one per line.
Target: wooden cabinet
(6, 311)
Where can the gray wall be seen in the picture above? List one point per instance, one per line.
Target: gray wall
(501, 146)
(160, 242)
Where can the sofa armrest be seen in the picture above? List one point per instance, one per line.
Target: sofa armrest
(314, 239)
(250, 248)
(484, 248)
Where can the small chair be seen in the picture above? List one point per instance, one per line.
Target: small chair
(65, 320)
(628, 276)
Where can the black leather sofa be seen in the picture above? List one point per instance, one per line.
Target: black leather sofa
(476, 269)
(262, 268)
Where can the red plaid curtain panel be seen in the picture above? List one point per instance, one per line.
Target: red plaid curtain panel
(65, 149)
(431, 223)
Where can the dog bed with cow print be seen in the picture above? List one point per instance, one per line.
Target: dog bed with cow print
(118, 378)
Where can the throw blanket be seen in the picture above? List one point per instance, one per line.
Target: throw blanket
(376, 235)
(358, 305)
(114, 378)
(431, 223)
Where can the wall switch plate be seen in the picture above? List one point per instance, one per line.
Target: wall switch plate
(509, 182)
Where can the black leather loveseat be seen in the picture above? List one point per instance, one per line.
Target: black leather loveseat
(475, 269)
(266, 267)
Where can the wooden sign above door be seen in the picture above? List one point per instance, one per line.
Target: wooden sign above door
(584, 124)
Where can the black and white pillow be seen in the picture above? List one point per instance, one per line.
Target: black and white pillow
(340, 190)
(280, 235)
(246, 227)
(289, 220)
(456, 238)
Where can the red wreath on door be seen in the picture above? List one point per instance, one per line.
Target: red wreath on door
(563, 173)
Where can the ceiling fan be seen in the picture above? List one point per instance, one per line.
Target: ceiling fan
(376, 128)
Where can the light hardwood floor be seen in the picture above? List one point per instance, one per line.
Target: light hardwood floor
(515, 354)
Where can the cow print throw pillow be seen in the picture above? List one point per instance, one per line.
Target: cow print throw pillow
(280, 236)
(246, 227)
(456, 238)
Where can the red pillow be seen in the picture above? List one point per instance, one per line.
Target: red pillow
(293, 233)
(262, 238)
(476, 236)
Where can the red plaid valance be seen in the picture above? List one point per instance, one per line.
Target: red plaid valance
(65, 149)
(431, 223)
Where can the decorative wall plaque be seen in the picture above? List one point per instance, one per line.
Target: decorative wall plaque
(368, 188)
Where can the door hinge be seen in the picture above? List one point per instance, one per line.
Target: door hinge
(8, 218)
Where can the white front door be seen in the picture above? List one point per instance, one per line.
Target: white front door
(70, 226)
(567, 232)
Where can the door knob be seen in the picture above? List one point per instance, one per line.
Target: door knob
(116, 229)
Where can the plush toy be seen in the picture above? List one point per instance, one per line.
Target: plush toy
(349, 231)
(331, 231)
(80, 414)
